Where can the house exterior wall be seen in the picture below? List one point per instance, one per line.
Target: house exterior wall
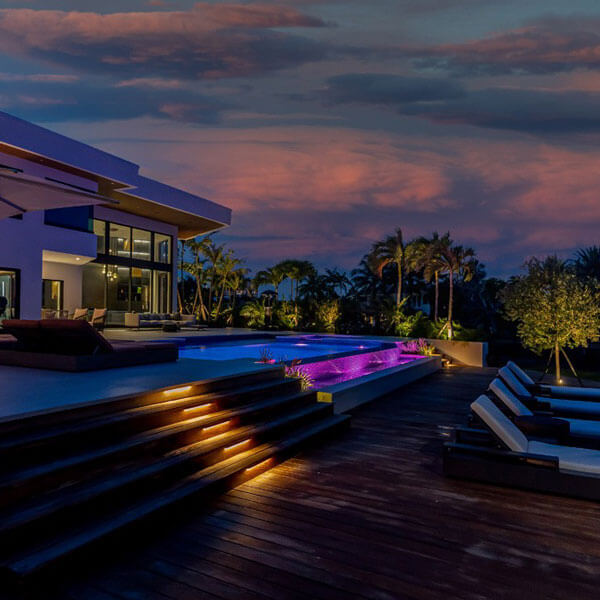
(27, 244)
(71, 275)
(22, 243)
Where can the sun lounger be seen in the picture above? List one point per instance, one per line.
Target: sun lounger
(514, 460)
(560, 391)
(74, 345)
(584, 431)
(588, 409)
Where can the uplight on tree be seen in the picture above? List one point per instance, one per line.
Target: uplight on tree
(553, 308)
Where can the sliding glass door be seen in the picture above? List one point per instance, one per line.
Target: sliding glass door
(9, 294)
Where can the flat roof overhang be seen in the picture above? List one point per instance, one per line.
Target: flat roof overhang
(116, 178)
(189, 225)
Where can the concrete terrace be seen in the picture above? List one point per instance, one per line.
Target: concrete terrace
(32, 390)
(366, 515)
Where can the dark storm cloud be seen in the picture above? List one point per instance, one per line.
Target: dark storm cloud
(380, 88)
(550, 45)
(208, 41)
(532, 111)
(61, 99)
(447, 101)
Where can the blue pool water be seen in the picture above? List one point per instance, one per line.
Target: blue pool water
(280, 349)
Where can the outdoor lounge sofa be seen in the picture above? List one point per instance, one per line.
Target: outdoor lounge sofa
(156, 320)
(74, 345)
(504, 455)
(561, 391)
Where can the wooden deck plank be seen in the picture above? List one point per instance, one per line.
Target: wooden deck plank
(369, 515)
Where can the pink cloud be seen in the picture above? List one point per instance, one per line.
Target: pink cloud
(545, 46)
(209, 40)
(327, 193)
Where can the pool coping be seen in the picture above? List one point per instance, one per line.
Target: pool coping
(350, 394)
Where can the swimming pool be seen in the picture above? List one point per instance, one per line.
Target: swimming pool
(282, 348)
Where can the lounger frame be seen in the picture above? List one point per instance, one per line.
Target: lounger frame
(515, 469)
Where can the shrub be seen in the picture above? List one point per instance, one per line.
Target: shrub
(419, 346)
(287, 315)
(327, 315)
(296, 371)
(254, 313)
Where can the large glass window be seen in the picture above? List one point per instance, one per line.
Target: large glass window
(142, 244)
(162, 248)
(126, 288)
(119, 243)
(161, 291)
(94, 285)
(52, 294)
(100, 231)
(9, 294)
(141, 280)
(117, 288)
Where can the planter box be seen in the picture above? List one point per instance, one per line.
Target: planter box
(471, 354)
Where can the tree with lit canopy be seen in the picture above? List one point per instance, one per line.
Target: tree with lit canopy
(553, 308)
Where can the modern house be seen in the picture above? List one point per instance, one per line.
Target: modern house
(118, 250)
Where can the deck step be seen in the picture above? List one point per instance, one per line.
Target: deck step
(217, 477)
(138, 478)
(21, 483)
(42, 420)
(54, 439)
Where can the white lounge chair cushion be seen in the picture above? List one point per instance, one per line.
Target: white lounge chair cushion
(513, 383)
(580, 406)
(510, 435)
(581, 460)
(509, 399)
(516, 369)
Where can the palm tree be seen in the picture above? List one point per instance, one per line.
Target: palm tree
(428, 256)
(587, 263)
(338, 281)
(389, 251)
(296, 271)
(199, 273)
(456, 260)
(313, 288)
(273, 276)
(214, 255)
(227, 266)
(366, 285)
(181, 281)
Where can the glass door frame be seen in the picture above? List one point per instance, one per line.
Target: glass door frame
(17, 291)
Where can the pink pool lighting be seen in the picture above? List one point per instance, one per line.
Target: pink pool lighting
(345, 368)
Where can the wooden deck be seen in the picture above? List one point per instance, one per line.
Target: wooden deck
(368, 515)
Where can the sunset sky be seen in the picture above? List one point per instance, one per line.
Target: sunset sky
(326, 124)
